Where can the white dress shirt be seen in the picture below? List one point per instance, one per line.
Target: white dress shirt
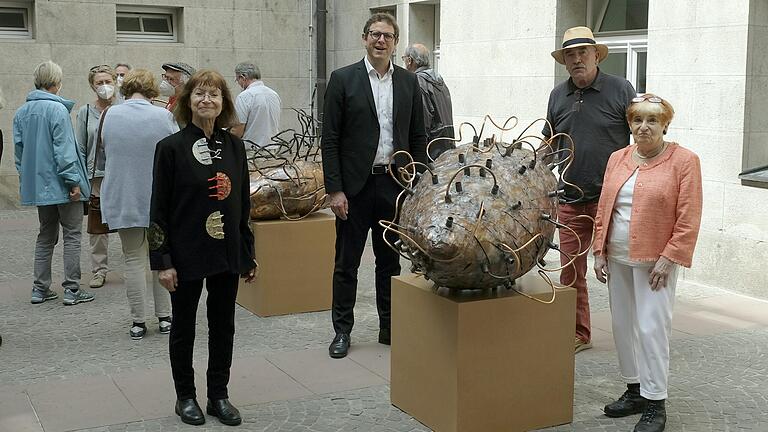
(381, 86)
(258, 108)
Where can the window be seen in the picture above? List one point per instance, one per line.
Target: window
(147, 24)
(622, 25)
(15, 20)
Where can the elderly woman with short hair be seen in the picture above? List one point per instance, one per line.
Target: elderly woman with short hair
(102, 80)
(646, 226)
(52, 176)
(200, 233)
(130, 133)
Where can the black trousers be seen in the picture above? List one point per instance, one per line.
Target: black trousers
(222, 291)
(376, 201)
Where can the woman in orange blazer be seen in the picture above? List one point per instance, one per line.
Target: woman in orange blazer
(646, 226)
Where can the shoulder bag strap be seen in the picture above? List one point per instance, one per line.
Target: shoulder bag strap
(99, 142)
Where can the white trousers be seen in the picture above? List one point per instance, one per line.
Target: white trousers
(137, 273)
(642, 323)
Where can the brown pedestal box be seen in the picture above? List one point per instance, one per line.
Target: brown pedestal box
(295, 266)
(492, 361)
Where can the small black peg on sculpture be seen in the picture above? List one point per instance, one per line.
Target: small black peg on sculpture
(449, 222)
(517, 205)
(462, 158)
(488, 163)
(522, 169)
(434, 179)
(482, 172)
(546, 216)
(459, 188)
(495, 190)
(467, 171)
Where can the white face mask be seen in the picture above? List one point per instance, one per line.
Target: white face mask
(105, 91)
(120, 80)
(166, 89)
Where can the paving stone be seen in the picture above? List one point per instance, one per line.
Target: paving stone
(718, 381)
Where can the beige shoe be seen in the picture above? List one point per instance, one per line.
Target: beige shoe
(580, 345)
(98, 280)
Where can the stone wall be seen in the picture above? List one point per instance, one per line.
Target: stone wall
(215, 34)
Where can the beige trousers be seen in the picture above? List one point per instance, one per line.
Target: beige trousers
(138, 277)
(99, 242)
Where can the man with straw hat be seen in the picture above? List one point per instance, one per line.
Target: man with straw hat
(591, 108)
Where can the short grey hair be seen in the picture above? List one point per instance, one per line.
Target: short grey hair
(249, 70)
(47, 74)
(125, 65)
(419, 53)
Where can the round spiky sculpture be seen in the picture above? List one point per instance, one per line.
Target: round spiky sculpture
(482, 214)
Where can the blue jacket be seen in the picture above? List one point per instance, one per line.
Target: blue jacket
(48, 159)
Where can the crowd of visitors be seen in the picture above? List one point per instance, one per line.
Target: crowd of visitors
(171, 177)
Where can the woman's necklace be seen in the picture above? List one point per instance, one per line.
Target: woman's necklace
(654, 154)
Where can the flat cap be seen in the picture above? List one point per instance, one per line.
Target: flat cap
(181, 67)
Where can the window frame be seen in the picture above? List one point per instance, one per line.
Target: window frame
(171, 14)
(630, 45)
(26, 10)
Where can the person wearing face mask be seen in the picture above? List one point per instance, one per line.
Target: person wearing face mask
(102, 79)
(121, 69)
(174, 78)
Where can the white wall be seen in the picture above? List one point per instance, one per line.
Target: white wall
(709, 63)
(697, 58)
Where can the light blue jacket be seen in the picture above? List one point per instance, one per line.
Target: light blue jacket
(48, 158)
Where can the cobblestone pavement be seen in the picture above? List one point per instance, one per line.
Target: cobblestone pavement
(718, 379)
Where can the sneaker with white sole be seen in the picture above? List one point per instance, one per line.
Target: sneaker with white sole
(138, 331)
(75, 297)
(41, 296)
(98, 280)
(165, 325)
(580, 345)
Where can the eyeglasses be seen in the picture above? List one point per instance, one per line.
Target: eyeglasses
(202, 94)
(654, 99)
(389, 37)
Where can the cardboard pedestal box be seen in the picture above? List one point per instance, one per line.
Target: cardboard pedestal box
(487, 361)
(295, 266)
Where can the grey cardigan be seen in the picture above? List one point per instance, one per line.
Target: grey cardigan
(130, 133)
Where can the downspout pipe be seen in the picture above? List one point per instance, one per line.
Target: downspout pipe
(321, 14)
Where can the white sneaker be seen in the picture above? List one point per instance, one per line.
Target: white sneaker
(164, 326)
(98, 280)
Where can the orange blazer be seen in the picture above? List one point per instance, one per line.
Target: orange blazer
(666, 205)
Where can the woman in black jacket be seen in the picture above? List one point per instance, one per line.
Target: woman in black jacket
(199, 232)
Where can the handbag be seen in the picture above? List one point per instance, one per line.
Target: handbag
(95, 223)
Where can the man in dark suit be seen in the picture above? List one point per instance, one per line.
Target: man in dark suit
(372, 110)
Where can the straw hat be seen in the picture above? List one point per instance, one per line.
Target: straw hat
(576, 37)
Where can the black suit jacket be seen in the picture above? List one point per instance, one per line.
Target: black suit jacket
(351, 126)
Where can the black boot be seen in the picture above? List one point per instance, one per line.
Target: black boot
(189, 411)
(629, 403)
(654, 417)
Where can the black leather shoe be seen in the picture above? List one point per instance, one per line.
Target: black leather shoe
(189, 411)
(340, 345)
(654, 418)
(385, 336)
(629, 403)
(227, 414)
